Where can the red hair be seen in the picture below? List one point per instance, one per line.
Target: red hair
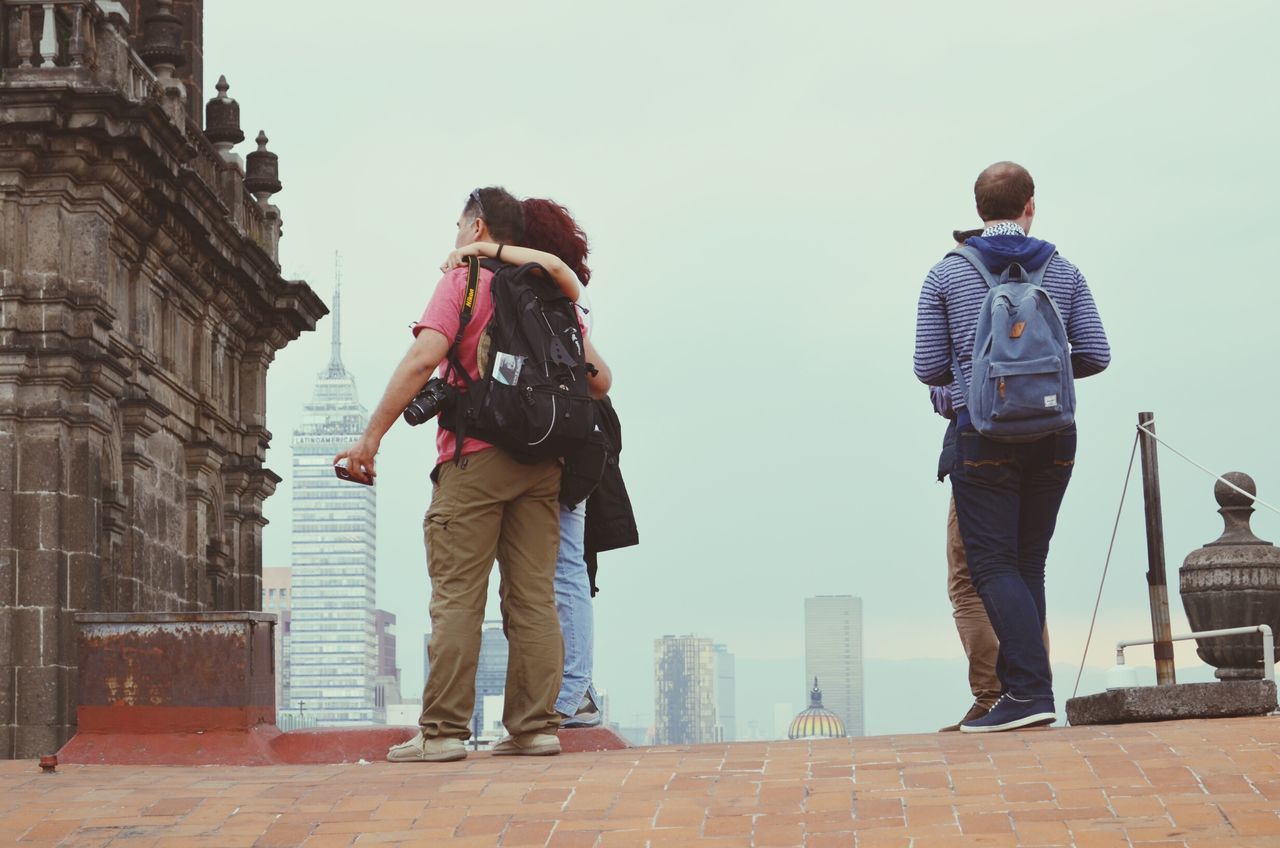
(549, 227)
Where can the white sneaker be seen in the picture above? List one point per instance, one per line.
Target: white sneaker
(420, 749)
(528, 745)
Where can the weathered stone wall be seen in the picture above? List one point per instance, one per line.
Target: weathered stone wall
(140, 305)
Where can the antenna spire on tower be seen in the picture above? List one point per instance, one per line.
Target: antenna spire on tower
(335, 359)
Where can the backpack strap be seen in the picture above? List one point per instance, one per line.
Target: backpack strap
(974, 258)
(970, 255)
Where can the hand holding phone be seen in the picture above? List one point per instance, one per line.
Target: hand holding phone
(341, 469)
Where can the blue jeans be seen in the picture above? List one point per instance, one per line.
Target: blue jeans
(573, 603)
(1007, 500)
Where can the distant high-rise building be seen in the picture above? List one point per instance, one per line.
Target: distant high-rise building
(783, 713)
(276, 583)
(684, 690)
(726, 695)
(833, 654)
(333, 643)
(491, 671)
(387, 682)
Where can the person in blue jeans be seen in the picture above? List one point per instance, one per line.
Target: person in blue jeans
(577, 701)
(1007, 495)
(554, 240)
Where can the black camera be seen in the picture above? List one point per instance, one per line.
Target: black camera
(427, 404)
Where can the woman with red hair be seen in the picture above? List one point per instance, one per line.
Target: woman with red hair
(554, 240)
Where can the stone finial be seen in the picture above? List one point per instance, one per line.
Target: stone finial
(262, 172)
(1234, 581)
(222, 119)
(162, 40)
(1236, 508)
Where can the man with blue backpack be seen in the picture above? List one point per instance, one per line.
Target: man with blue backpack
(1009, 325)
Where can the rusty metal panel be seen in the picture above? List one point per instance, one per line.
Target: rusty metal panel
(169, 671)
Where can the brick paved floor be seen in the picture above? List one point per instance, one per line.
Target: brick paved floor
(1187, 784)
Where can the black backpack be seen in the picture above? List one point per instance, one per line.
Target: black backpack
(531, 398)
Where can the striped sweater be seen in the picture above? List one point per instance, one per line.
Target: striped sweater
(947, 315)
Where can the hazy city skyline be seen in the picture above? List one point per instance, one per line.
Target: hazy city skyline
(781, 179)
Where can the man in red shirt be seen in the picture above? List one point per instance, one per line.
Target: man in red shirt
(484, 505)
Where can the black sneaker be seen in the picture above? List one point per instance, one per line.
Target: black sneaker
(1011, 713)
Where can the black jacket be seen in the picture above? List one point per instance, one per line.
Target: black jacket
(611, 523)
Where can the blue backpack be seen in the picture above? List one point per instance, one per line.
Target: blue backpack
(1022, 387)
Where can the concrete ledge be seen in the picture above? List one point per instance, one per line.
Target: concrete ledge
(1224, 699)
(578, 739)
(214, 748)
(326, 745)
(265, 745)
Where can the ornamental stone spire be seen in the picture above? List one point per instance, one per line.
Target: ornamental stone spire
(222, 123)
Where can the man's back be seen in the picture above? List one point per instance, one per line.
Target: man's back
(952, 296)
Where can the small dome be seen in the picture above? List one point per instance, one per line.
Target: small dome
(817, 722)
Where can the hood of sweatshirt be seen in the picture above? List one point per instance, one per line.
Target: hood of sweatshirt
(999, 252)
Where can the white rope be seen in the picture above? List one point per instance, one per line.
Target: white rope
(1217, 477)
(1106, 566)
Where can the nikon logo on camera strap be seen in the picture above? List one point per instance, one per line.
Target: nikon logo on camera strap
(469, 301)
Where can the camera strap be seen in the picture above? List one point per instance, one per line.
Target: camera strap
(464, 317)
(455, 364)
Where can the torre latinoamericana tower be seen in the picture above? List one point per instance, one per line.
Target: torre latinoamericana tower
(333, 642)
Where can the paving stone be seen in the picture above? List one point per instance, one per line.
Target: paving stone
(1198, 784)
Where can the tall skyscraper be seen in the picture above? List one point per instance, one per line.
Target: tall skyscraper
(726, 695)
(276, 598)
(833, 654)
(684, 690)
(333, 643)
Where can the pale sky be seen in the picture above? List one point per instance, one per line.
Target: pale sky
(765, 187)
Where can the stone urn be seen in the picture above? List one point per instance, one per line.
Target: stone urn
(1233, 582)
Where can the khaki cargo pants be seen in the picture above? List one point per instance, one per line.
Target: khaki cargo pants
(491, 506)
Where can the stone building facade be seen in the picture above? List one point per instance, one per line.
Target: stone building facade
(141, 303)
